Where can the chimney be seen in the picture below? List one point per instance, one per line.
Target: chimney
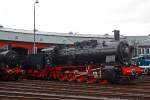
(116, 35)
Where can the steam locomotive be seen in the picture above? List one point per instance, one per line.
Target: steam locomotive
(88, 61)
(8, 64)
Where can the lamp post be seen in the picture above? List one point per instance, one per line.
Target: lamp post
(34, 51)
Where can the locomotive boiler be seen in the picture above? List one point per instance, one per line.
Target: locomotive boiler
(114, 52)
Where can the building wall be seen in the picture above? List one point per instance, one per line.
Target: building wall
(23, 45)
(141, 44)
(143, 50)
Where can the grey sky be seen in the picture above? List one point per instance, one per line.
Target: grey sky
(131, 17)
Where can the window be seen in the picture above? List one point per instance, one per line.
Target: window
(139, 50)
(147, 51)
(143, 51)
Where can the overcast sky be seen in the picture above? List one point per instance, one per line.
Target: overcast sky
(131, 17)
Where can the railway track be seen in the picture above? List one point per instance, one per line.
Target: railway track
(53, 90)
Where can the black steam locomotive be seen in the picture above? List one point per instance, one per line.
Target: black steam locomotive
(113, 59)
(9, 65)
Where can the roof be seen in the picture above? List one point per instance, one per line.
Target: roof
(139, 40)
(53, 33)
(49, 37)
(63, 38)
